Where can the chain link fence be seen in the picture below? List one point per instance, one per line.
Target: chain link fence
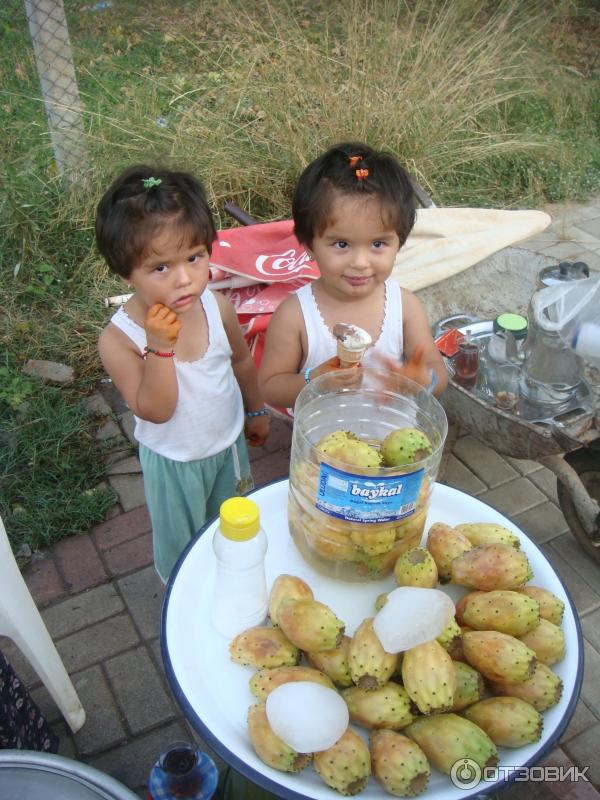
(54, 60)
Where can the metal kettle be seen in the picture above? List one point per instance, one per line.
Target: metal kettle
(552, 371)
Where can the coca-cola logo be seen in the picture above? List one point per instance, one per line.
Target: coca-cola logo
(275, 264)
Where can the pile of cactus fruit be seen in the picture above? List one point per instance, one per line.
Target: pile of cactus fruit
(483, 683)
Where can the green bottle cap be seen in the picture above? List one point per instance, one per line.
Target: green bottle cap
(515, 323)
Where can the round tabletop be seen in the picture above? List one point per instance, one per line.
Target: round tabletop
(213, 691)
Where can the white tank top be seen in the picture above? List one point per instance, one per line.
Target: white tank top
(209, 414)
(322, 344)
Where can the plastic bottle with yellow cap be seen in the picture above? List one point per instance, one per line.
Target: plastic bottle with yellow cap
(240, 598)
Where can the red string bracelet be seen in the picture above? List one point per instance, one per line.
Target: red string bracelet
(159, 353)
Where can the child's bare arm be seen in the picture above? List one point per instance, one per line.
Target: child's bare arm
(420, 353)
(244, 369)
(149, 386)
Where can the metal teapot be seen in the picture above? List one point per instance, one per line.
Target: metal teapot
(552, 371)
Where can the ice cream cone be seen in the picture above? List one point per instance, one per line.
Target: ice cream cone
(352, 342)
(347, 357)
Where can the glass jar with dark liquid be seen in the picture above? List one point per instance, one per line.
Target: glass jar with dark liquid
(466, 363)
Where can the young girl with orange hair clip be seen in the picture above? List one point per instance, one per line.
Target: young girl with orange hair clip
(353, 209)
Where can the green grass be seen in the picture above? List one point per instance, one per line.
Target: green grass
(51, 465)
(487, 103)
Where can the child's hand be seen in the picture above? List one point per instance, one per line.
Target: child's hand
(256, 430)
(162, 327)
(345, 377)
(415, 369)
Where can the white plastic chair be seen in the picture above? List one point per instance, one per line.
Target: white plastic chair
(21, 621)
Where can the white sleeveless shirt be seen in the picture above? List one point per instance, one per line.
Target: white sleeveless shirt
(322, 344)
(209, 414)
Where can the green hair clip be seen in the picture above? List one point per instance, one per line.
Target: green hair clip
(150, 183)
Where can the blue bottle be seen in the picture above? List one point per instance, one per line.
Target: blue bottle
(183, 771)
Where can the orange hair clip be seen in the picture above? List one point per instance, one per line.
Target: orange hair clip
(361, 174)
(353, 160)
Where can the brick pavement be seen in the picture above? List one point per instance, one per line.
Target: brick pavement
(101, 598)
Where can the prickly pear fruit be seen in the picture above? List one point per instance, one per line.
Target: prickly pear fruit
(398, 763)
(416, 568)
(508, 721)
(461, 606)
(405, 446)
(504, 611)
(487, 533)
(345, 767)
(310, 625)
(349, 449)
(450, 638)
(380, 601)
(264, 681)
(269, 747)
(551, 607)
(334, 663)
(491, 566)
(547, 641)
(386, 707)
(446, 738)
(429, 678)
(498, 656)
(469, 686)
(373, 542)
(370, 665)
(543, 690)
(263, 647)
(287, 587)
(445, 544)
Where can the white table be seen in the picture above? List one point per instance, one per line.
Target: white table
(213, 691)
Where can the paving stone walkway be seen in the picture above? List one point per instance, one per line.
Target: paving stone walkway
(101, 598)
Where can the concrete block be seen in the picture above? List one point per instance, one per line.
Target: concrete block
(583, 596)
(98, 642)
(514, 497)
(130, 555)
(84, 609)
(43, 580)
(130, 489)
(128, 425)
(78, 561)
(483, 461)
(108, 430)
(139, 690)
(132, 763)
(460, 477)
(126, 466)
(581, 721)
(122, 529)
(590, 625)
(590, 690)
(523, 465)
(586, 567)
(272, 467)
(143, 593)
(98, 405)
(564, 250)
(103, 727)
(583, 749)
(591, 227)
(542, 523)
(545, 480)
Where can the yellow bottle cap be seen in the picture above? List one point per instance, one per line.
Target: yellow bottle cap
(240, 519)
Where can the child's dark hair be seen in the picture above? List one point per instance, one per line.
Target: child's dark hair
(139, 203)
(354, 169)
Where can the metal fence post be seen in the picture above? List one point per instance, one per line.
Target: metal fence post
(54, 61)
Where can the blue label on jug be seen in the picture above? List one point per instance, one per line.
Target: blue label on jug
(360, 498)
